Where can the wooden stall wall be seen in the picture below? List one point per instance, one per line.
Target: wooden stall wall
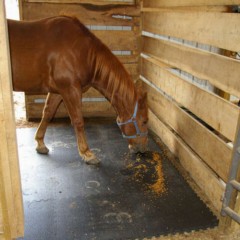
(116, 23)
(11, 205)
(195, 123)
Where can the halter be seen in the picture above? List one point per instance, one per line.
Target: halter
(134, 121)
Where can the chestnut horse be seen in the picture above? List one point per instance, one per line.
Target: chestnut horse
(60, 57)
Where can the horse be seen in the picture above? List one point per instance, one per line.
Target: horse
(60, 57)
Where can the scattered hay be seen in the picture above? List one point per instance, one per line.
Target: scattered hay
(147, 172)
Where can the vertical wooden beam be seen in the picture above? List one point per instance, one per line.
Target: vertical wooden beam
(20, 5)
(10, 184)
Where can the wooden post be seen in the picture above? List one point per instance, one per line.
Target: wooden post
(10, 184)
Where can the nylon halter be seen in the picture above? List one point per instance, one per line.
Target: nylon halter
(134, 121)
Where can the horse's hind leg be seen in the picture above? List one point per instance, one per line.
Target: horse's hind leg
(51, 105)
(72, 100)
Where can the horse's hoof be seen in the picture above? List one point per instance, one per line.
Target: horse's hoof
(93, 161)
(42, 150)
(90, 158)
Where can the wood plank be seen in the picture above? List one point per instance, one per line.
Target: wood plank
(119, 40)
(90, 109)
(189, 9)
(221, 71)
(202, 27)
(1, 213)
(217, 112)
(133, 69)
(199, 172)
(205, 143)
(89, 15)
(95, 2)
(10, 183)
(91, 93)
(184, 3)
(129, 59)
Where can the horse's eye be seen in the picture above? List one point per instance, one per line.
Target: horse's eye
(145, 122)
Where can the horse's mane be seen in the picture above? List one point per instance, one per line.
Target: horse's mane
(111, 70)
(107, 67)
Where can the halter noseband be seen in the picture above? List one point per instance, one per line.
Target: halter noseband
(134, 121)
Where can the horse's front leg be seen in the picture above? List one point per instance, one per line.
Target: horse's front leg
(72, 100)
(50, 107)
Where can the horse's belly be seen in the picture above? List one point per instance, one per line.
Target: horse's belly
(28, 77)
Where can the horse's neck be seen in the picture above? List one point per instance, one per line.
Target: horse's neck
(123, 107)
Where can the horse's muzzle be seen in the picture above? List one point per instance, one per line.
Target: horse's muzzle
(142, 148)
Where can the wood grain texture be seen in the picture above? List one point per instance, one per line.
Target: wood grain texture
(87, 14)
(35, 104)
(219, 9)
(199, 172)
(219, 70)
(119, 40)
(184, 3)
(202, 141)
(217, 112)
(10, 183)
(1, 218)
(202, 27)
(95, 2)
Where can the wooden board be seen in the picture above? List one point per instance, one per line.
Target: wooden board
(184, 3)
(190, 9)
(201, 140)
(10, 184)
(92, 107)
(119, 40)
(95, 2)
(89, 15)
(202, 27)
(219, 70)
(215, 111)
(1, 217)
(199, 172)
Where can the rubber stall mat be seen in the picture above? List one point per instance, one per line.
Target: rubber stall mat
(126, 197)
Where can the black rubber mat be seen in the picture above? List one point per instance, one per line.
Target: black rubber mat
(126, 197)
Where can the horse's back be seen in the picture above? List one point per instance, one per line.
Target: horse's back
(33, 44)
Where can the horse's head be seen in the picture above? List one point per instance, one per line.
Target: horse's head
(135, 128)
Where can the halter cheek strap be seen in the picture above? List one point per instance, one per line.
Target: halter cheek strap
(134, 121)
